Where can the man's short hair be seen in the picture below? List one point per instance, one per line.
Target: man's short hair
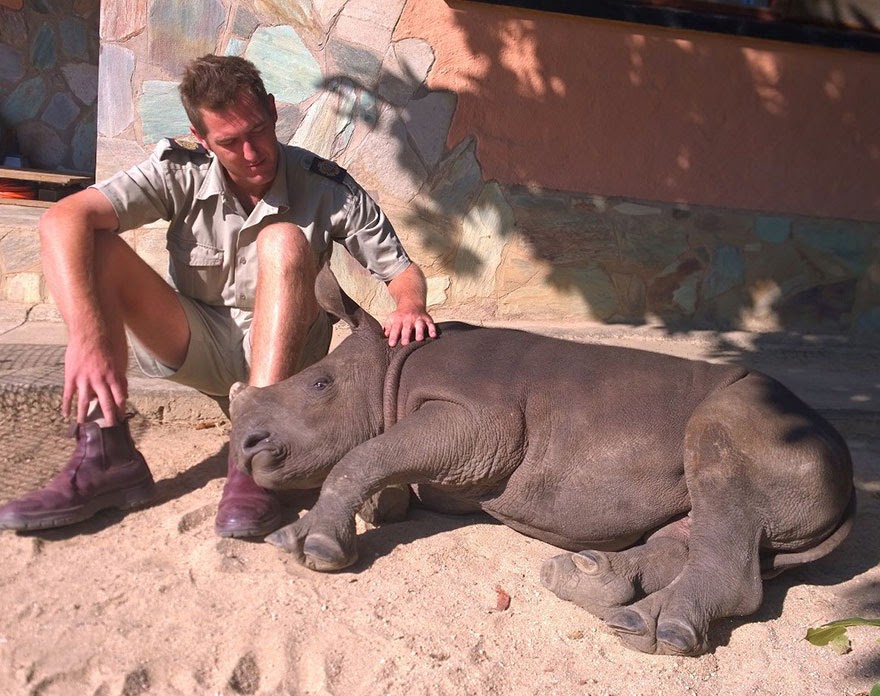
(215, 82)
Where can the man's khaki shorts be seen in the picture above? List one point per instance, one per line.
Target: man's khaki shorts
(220, 350)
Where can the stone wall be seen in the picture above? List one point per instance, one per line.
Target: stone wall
(49, 81)
(354, 84)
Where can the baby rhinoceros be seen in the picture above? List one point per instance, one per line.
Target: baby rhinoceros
(677, 484)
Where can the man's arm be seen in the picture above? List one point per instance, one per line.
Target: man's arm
(409, 290)
(67, 240)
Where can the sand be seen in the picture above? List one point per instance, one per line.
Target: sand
(152, 602)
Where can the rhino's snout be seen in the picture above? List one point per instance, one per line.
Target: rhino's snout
(257, 446)
(255, 442)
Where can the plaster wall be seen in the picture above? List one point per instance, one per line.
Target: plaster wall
(623, 109)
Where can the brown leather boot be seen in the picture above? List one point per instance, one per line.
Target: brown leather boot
(245, 509)
(105, 471)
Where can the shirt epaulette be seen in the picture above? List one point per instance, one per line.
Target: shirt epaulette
(327, 168)
(167, 148)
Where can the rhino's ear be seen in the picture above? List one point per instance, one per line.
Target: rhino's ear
(333, 300)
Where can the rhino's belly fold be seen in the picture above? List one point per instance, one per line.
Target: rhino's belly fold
(571, 539)
(609, 515)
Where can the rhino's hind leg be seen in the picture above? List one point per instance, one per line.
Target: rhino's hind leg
(602, 581)
(733, 444)
(714, 583)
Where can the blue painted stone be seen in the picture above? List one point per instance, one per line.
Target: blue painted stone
(235, 47)
(43, 51)
(11, 68)
(162, 114)
(847, 243)
(74, 38)
(727, 271)
(82, 78)
(42, 145)
(61, 111)
(25, 101)
(289, 70)
(773, 229)
(84, 144)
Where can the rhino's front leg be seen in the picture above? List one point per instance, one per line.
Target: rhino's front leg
(318, 543)
(435, 445)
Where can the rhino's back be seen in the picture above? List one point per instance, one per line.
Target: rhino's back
(597, 381)
(605, 426)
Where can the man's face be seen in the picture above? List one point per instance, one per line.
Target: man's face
(242, 137)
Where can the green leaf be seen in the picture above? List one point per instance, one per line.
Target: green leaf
(841, 644)
(826, 634)
(876, 690)
(834, 634)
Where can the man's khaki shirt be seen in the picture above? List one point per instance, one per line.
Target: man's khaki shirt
(211, 240)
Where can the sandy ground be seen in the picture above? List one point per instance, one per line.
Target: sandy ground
(153, 602)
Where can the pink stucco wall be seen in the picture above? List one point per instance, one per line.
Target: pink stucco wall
(621, 109)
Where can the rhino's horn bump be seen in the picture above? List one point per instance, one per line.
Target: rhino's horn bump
(235, 390)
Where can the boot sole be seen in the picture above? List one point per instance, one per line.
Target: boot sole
(128, 499)
(232, 532)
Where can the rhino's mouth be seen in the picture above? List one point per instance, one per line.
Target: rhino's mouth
(259, 453)
(264, 460)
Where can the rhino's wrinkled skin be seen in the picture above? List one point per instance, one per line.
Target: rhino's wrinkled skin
(677, 483)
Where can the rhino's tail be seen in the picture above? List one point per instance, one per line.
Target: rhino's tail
(772, 565)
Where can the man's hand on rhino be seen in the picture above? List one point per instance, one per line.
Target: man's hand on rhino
(402, 326)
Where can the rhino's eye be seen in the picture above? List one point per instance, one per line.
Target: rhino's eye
(321, 383)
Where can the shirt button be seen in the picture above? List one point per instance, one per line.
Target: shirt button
(242, 260)
(242, 296)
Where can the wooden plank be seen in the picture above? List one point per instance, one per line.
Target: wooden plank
(25, 201)
(61, 178)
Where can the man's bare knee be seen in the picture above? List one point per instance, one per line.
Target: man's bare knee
(284, 246)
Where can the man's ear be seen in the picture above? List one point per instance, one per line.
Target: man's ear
(198, 136)
(273, 111)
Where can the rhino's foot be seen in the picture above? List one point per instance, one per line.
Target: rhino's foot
(646, 627)
(678, 637)
(316, 550)
(590, 580)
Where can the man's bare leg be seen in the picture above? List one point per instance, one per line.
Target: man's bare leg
(285, 306)
(284, 310)
(106, 470)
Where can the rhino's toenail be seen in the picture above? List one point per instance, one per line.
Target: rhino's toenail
(586, 561)
(629, 622)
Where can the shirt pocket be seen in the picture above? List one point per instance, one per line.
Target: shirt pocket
(197, 270)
